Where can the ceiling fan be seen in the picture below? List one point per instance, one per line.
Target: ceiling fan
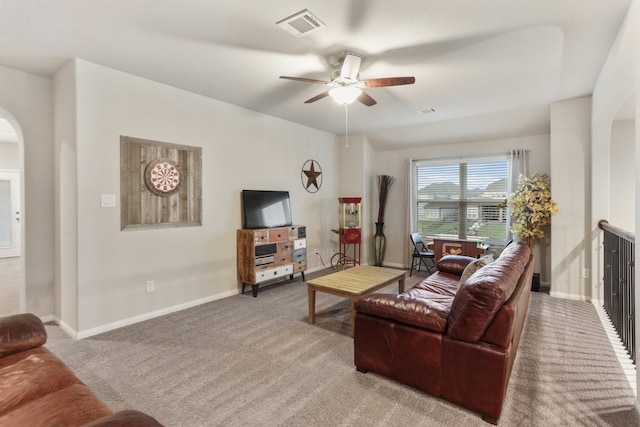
(346, 88)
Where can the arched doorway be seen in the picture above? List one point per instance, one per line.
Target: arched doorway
(12, 282)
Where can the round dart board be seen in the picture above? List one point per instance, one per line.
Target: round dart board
(163, 177)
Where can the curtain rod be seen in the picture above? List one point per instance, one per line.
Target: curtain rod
(478, 156)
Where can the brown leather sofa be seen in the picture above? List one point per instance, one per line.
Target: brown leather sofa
(455, 342)
(38, 389)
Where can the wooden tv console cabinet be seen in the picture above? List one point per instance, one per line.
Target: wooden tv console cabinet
(265, 254)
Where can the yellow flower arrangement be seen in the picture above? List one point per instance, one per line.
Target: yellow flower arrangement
(531, 207)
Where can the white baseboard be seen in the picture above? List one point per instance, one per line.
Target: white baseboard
(48, 318)
(137, 319)
(626, 363)
(67, 329)
(391, 265)
(570, 296)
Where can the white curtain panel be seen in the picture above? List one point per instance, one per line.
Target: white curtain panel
(518, 164)
(410, 220)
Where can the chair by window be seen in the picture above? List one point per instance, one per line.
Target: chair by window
(421, 254)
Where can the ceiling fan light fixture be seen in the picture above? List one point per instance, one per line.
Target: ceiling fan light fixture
(345, 95)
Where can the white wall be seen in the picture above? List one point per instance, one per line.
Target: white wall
(26, 101)
(622, 186)
(393, 163)
(570, 188)
(241, 149)
(619, 80)
(66, 198)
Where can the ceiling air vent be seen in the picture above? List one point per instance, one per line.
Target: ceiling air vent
(301, 23)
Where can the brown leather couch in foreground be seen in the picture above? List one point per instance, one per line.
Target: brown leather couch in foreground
(38, 389)
(458, 344)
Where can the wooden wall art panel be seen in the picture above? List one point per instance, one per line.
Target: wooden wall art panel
(160, 184)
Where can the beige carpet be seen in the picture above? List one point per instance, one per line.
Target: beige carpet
(246, 361)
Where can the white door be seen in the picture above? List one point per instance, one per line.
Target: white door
(10, 220)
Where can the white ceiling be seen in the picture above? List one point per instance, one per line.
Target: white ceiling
(473, 60)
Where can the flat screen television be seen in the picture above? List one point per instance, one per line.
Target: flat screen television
(266, 209)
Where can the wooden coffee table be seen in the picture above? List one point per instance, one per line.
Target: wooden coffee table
(351, 283)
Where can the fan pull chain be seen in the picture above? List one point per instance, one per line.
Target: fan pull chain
(346, 125)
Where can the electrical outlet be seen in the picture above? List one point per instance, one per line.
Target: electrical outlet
(585, 273)
(151, 286)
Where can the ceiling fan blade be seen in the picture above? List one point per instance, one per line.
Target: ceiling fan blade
(350, 67)
(302, 79)
(389, 81)
(366, 99)
(317, 97)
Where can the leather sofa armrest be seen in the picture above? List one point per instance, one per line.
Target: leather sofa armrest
(454, 264)
(126, 418)
(21, 332)
(421, 312)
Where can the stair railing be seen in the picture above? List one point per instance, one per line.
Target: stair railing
(619, 282)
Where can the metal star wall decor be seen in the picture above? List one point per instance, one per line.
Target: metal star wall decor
(311, 176)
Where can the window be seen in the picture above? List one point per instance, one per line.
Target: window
(462, 198)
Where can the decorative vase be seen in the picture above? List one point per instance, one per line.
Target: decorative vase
(535, 283)
(379, 244)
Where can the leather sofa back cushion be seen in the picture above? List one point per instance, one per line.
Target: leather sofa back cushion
(480, 297)
(21, 332)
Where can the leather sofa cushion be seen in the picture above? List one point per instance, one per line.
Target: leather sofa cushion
(484, 293)
(71, 406)
(440, 283)
(454, 264)
(29, 375)
(21, 332)
(416, 307)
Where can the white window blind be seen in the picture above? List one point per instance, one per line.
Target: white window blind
(461, 198)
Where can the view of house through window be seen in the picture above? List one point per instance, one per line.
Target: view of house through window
(461, 199)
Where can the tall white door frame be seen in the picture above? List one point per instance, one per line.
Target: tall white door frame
(10, 214)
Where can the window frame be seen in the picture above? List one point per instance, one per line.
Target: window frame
(498, 215)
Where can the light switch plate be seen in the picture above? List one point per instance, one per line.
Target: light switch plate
(108, 201)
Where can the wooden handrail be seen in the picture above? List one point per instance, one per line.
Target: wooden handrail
(603, 224)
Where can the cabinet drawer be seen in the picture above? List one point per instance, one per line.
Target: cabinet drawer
(299, 255)
(278, 234)
(268, 249)
(282, 258)
(274, 273)
(286, 246)
(260, 236)
(299, 266)
(293, 233)
(300, 243)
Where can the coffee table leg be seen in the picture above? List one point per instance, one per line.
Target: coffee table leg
(353, 316)
(401, 285)
(312, 304)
